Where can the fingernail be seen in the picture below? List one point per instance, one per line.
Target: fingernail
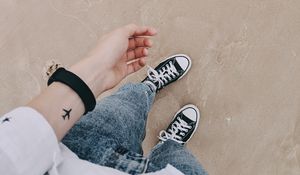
(145, 51)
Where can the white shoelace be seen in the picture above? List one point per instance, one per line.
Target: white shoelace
(164, 75)
(176, 132)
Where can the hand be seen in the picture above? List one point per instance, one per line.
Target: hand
(117, 54)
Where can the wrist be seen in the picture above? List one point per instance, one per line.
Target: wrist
(93, 76)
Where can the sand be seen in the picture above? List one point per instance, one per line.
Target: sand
(245, 76)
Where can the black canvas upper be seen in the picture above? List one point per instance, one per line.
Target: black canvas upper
(163, 64)
(188, 121)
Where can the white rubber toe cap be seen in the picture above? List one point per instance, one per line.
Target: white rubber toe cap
(184, 62)
(191, 114)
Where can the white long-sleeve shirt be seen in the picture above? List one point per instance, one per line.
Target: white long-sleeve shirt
(28, 146)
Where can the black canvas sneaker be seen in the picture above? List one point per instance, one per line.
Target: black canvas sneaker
(168, 71)
(183, 126)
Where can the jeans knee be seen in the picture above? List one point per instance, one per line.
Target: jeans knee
(138, 94)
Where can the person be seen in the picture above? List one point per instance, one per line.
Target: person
(50, 135)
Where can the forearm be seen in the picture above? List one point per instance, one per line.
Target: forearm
(117, 55)
(60, 105)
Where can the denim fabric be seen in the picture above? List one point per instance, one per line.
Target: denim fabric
(113, 133)
(170, 152)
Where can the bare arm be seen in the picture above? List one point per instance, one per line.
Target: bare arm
(117, 55)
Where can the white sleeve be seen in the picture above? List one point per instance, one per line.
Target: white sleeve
(28, 144)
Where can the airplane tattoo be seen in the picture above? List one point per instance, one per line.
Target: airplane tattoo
(67, 114)
(6, 119)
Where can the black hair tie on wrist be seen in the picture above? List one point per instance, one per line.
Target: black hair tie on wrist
(74, 82)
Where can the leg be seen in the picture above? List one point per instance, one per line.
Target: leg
(118, 120)
(175, 154)
(171, 150)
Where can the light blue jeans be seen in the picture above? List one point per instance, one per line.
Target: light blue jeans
(113, 133)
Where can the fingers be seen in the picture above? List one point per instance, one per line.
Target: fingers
(139, 42)
(134, 30)
(137, 53)
(135, 66)
(137, 49)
